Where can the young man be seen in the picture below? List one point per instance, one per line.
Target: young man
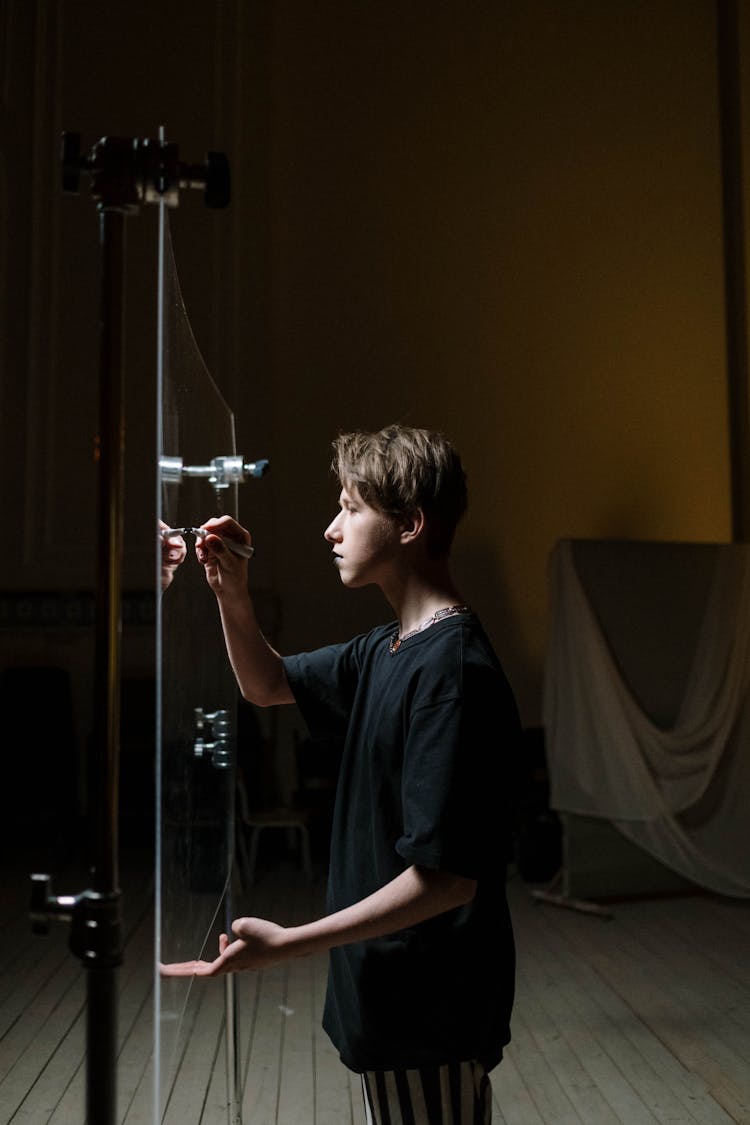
(421, 948)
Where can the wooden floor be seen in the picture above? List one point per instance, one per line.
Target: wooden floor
(641, 1020)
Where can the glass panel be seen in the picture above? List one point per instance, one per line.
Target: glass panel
(196, 693)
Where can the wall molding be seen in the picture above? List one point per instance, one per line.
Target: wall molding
(62, 609)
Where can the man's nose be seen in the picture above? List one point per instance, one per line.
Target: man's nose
(332, 532)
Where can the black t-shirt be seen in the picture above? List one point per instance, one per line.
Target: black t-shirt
(430, 737)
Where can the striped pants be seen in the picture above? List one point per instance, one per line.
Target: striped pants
(458, 1093)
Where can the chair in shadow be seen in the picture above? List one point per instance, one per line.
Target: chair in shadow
(305, 819)
(293, 821)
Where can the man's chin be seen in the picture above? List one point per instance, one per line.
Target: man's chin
(352, 581)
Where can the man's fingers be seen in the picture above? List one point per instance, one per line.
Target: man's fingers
(181, 969)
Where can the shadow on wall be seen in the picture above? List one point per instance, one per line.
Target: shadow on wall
(481, 579)
(39, 799)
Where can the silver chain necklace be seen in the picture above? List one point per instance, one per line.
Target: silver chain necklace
(395, 641)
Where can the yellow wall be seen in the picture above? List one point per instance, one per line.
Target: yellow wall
(500, 219)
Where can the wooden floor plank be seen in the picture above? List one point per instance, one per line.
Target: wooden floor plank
(192, 1080)
(216, 1108)
(511, 1095)
(698, 982)
(642, 1019)
(338, 1092)
(266, 1027)
(297, 1090)
(36, 999)
(549, 1097)
(19, 972)
(48, 1032)
(576, 1058)
(62, 1074)
(136, 1018)
(587, 1000)
(725, 944)
(644, 986)
(140, 1109)
(714, 1005)
(135, 986)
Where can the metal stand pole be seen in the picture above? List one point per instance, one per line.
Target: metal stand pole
(234, 1061)
(96, 914)
(125, 173)
(231, 997)
(101, 1094)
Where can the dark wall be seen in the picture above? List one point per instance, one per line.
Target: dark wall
(500, 220)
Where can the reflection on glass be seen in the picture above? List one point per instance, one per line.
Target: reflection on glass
(196, 693)
(172, 552)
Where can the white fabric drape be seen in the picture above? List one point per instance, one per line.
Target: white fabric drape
(681, 794)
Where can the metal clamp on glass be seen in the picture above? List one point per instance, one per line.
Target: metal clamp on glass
(96, 922)
(219, 749)
(243, 549)
(142, 170)
(220, 472)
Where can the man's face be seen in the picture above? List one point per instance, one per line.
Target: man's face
(364, 541)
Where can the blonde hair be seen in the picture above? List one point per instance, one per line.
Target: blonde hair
(400, 469)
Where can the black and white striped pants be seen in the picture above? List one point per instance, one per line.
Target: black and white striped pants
(458, 1093)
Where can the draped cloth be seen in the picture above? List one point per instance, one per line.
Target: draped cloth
(681, 793)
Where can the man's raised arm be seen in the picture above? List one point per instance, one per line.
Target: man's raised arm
(257, 666)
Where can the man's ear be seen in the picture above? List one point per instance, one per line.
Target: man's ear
(412, 526)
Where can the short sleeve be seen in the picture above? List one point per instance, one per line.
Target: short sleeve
(457, 770)
(323, 683)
